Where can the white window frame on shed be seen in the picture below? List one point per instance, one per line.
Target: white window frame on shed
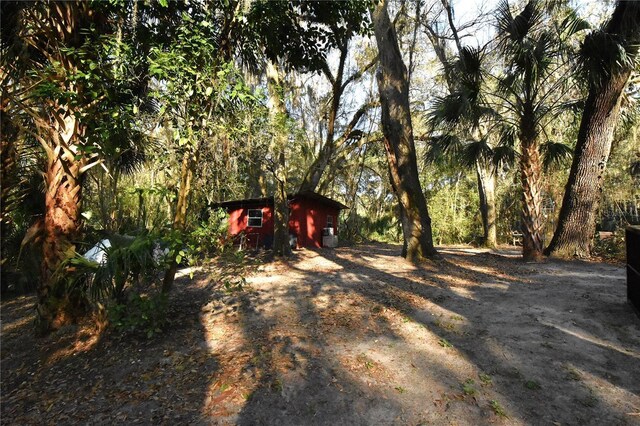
(254, 217)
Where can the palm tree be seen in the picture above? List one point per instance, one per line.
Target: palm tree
(61, 61)
(52, 95)
(608, 58)
(531, 93)
(459, 119)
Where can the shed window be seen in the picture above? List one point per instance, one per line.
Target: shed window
(254, 219)
(329, 221)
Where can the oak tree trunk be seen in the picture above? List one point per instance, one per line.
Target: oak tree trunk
(187, 171)
(487, 193)
(281, 246)
(393, 86)
(577, 220)
(319, 165)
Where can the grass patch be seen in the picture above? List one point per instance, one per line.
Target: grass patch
(485, 379)
(445, 343)
(532, 385)
(468, 387)
(573, 374)
(497, 408)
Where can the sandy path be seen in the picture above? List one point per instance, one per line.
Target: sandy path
(359, 336)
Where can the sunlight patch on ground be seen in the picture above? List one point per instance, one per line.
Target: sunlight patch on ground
(455, 281)
(600, 389)
(260, 279)
(15, 326)
(465, 293)
(581, 334)
(498, 286)
(185, 272)
(318, 262)
(85, 340)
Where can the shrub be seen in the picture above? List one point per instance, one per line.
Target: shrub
(141, 314)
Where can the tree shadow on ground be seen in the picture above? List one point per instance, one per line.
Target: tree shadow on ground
(363, 338)
(511, 329)
(78, 375)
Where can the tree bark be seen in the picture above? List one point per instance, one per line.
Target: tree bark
(487, 194)
(61, 223)
(59, 133)
(577, 220)
(530, 175)
(281, 246)
(314, 174)
(393, 86)
(187, 171)
(332, 144)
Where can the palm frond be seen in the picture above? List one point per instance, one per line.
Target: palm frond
(517, 28)
(574, 106)
(504, 155)
(442, 148)
(448, 110)
(555, 154)
(468, 64)
(507, 135)
(573, 24)
(603, 55)
(475, 151)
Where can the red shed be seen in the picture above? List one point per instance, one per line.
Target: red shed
(309, 215)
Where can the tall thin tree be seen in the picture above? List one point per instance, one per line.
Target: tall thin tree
(393, 86)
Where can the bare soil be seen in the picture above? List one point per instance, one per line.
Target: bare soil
(348, 336)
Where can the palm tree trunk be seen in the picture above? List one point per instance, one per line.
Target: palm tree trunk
(487, 193)
(530, 175)
(393, 86)
(61, 228)
(9, 167)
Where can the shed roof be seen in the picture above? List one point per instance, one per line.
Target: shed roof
(309, 195)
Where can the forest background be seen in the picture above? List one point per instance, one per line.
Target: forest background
(147, 113)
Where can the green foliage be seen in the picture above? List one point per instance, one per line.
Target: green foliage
(302, 32)
(453, 208)
(497, 408)
(614, 48)
(145, 315)
(612, 248)
(128, 261)
(211, 237)
(468, 387)
(445, 343)
(358, 228)
(555, 154)
(485, 379)
(532, 385)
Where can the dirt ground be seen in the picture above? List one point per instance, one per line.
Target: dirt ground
(349, 336)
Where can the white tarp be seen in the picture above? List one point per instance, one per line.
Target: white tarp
(97, 253)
